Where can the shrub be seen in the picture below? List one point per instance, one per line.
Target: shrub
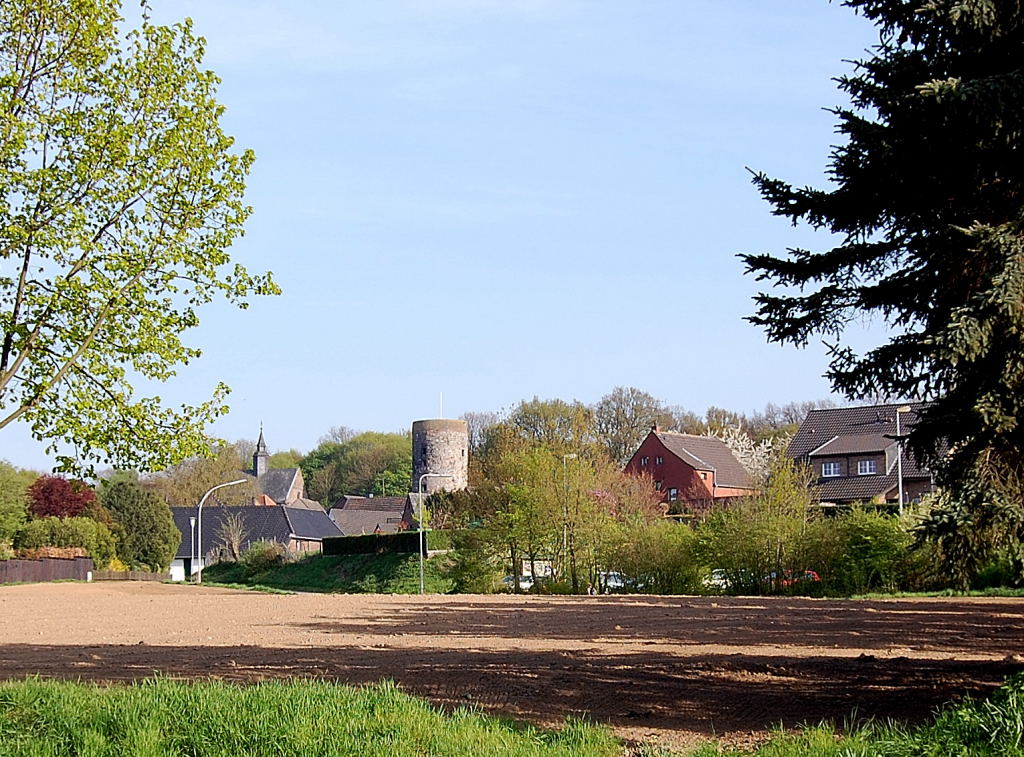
(875, 547)
(659, 556)
(93, 537)
(473, 569)
(261, 556)
(59, 497)
(1001, 570)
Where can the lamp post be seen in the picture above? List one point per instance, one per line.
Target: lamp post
(192, 549)
(199, 514)
(899, 454)
(425, 475)
(565, 501)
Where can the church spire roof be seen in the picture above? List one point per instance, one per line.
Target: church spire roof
(261, 457)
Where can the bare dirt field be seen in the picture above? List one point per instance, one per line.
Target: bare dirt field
(665, 669)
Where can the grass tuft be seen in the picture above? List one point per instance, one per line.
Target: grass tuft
(160, 718)
(972, 728)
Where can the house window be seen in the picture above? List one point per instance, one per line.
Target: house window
(673, 494)
(644, 460)
(830, 470)
(660, 460)
(866, 467)
(657, 486)
(704, 475)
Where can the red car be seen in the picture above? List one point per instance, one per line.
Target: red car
(791, 578)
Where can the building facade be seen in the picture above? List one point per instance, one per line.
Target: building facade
(695, 471)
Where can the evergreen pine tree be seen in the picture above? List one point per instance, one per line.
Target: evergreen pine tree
(927, 202)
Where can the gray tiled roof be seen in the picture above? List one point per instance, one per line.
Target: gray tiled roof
(310, 524)
(849, 431)
(302, 503)
(856, 488)
(853, 445)
(362, 521)
(261, 523)
(375, 504)
(707, 453)
(277, 482)
(822, 426)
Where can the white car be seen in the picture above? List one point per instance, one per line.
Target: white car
(716, 579)
(525, 582)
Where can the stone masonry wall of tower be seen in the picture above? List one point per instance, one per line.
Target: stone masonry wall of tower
(440, 446)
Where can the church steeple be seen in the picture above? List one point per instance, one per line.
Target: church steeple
(260, 458)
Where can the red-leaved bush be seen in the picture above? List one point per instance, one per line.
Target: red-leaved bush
(56, 496)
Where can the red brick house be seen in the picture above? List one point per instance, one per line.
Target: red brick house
(694, 470)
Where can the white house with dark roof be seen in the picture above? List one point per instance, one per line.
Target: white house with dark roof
(299, 530)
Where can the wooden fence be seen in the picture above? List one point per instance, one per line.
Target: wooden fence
(128, 575)
(45, 569)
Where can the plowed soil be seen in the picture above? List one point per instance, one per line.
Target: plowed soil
(664, 669)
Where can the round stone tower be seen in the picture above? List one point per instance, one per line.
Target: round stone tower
(440, 446)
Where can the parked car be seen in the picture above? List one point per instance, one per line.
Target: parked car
(525, 582)
(716, 579)
(792, 578)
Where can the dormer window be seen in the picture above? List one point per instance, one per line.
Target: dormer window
(831, 470)
(867, 467)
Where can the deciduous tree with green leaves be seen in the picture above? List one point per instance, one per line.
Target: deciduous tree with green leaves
(927, 209)
(120, 198)
(368, 462)
(14, 484)
(184, 484)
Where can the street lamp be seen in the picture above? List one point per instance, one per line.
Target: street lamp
(899, 453)
(199, 574)
(192, 550)
(425, 475)
(565, 502)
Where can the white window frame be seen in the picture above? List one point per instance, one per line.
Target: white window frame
(644, 461)
(660, 460)
(831, 470)
(867, 467)
(673, 494)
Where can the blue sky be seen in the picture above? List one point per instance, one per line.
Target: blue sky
(496, 199)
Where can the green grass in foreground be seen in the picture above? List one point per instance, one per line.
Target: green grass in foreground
(986, 728)
(354, 574)
(162, 717)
